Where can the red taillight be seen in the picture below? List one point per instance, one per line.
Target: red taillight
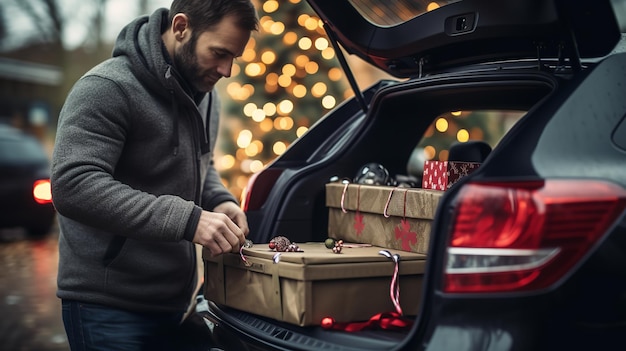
(259, 186)
(41, 191)
(527, 235)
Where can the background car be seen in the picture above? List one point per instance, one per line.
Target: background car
(25, 197)
(525, 253)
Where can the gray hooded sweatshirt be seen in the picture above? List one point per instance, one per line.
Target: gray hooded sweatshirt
(131, 170)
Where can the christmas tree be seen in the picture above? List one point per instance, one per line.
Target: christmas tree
(287, 78)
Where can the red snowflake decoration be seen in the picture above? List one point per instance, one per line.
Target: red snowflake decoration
(358, 223)
(404, 233)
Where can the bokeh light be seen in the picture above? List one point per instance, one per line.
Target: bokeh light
(269, 109)
(244, 139)
(305, 43)
(335, 74)
(442, 125)
(311, 67)
(301, 130)
(462, 135)
(290, 38)
(279, 148)
(258, 115)
(430, 152)
(329, 102)
(285, 107)
(319, 89)
(225, 162)
(268, 57)
(432, 6)
(270, 6)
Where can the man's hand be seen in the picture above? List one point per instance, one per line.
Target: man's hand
(218, 233)
(235, 213)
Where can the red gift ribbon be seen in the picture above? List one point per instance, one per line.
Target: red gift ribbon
(389, 201)
(343, 197)
(394, 289)
(385, 320)
(387, 204)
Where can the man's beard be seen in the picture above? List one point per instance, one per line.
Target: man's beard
(186, 63)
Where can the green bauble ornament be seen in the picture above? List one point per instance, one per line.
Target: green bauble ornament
(329, 243)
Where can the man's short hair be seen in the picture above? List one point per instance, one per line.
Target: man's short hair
(204, 14)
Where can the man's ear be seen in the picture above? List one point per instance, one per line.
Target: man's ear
(180, 26)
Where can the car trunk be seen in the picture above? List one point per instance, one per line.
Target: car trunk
(400, 114)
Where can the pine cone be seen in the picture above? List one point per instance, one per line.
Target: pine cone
(279, 243)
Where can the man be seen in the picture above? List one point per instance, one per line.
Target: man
(133, 180)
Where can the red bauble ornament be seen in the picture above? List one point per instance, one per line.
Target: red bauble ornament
(327, 322)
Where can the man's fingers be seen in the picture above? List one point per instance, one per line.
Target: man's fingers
(219, 233)
(227, 235)
(239, 237)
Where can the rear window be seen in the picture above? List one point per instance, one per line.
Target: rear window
(385, 13)
(461, 126)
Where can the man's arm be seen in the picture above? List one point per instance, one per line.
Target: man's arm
(91, 137)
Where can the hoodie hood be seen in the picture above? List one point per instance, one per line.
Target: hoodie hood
(147, 55)
(140, 42)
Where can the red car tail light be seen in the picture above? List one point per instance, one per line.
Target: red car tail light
(526, 235)
(258, 188)
(41, 191)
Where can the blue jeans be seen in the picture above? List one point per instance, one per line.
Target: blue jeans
(95, 327)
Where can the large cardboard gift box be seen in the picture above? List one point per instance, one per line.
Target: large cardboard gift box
(393, 217)
(305, 287)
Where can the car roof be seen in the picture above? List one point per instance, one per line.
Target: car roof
(18, 147)
(407, 37)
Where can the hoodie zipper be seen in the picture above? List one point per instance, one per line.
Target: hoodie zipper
(193, 118)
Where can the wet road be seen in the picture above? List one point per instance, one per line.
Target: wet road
(30, 312)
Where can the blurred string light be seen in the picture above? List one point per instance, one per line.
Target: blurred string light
(432, 6)
(462, 135)
(244, 139)
(442, 125)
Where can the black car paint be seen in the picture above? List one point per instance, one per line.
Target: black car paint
(573, 129)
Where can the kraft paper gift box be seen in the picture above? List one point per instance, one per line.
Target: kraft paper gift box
(392, 217)
(441, 175)
(305, 287)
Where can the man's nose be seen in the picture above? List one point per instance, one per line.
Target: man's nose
(225, 68)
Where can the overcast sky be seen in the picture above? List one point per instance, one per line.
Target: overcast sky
(76, 12)
(120, 12)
